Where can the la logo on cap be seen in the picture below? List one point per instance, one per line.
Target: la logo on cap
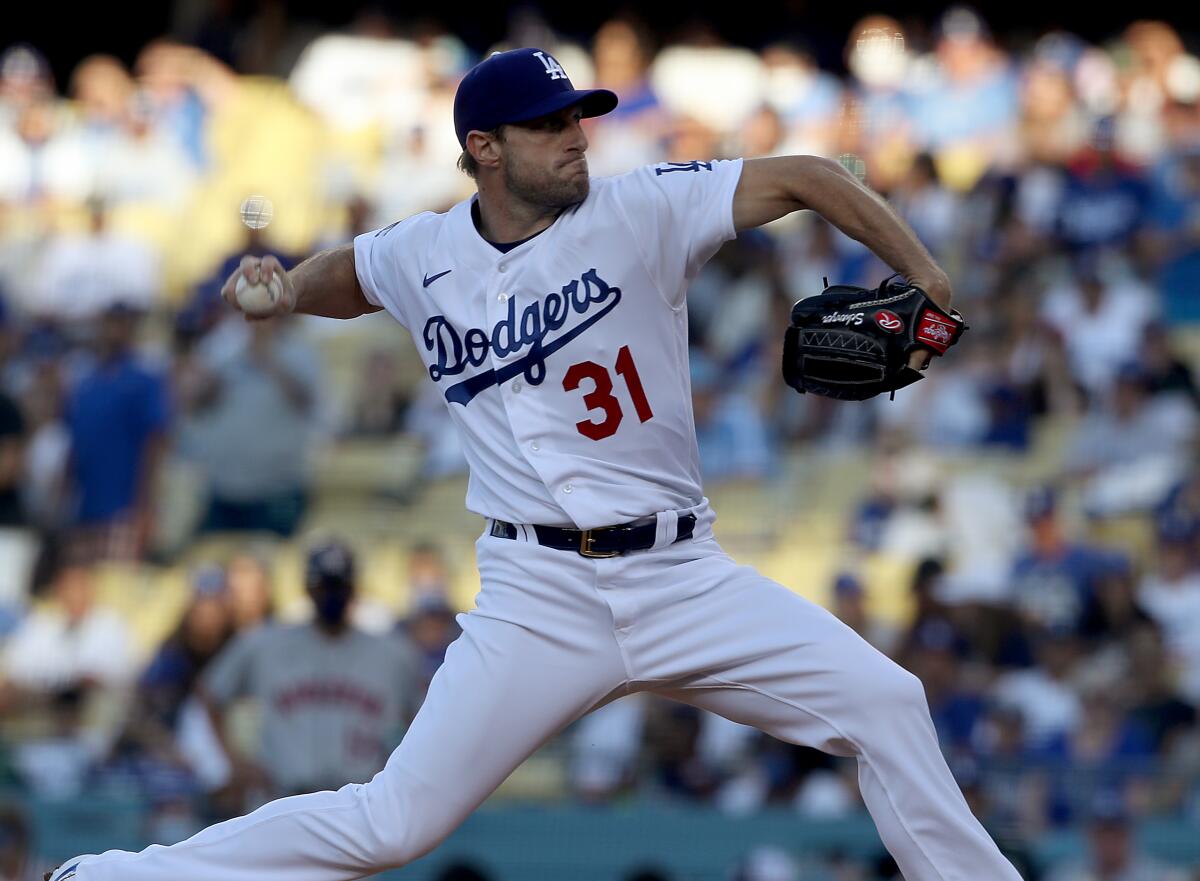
(553, 68)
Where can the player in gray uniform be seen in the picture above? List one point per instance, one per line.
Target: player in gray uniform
(334, 700)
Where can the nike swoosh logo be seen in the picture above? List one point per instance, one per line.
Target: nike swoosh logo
(430, 279)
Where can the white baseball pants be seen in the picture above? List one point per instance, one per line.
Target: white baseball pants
(555, 635)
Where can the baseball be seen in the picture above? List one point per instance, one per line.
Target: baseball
(256, 212)
(258, 299)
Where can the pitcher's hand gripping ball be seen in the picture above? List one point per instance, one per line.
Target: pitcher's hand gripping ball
(853, 343)
(258, 299)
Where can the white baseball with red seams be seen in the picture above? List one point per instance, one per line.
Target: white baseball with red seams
(564, 364)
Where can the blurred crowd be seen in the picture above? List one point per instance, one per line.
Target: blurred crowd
(1054, 622)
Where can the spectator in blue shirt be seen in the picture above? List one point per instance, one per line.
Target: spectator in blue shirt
(1104, 199)
(1053, 582)
(1174, 234)
(117, 417)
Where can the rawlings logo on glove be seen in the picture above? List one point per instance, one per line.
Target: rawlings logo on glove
(829, 350)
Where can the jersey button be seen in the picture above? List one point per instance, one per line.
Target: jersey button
(568, 488)
(503, 267)
(535, 446)
(516, 386)
(504, 295)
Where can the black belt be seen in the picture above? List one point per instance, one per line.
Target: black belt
(607, 541)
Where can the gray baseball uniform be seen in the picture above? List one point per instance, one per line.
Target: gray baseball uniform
(332, 707)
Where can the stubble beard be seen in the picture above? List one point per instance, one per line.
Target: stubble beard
(542, 189)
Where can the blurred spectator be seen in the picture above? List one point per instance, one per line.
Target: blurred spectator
(382, 403)
(69, 664)
(171, 676)
(1170, 593)
(47, 454)
(807, 99)
(1103, 199)
(1152, 690)
(13, 435)
(1112, 854)
(673, 750)
(1167, 372)
(1132, 448)
(428, 572)
(1052, 584)
(55, 762)
(117, 416)
(82, 276)
(1101, 318)
(181, 82)
(299, 674)
(412, 179)
(71, 642)
(850, 606)
(143, 166)
(260, 374)
(622, 51)
(730, 430)
(1054, 126)
(430, 628)
(931, 209)
(604, 748)
(1115, 615)
(877, 126)
(928, 578)
(938, 662)
(1173, 231)
(30, 122)
(248, 582)
(1003, 774)
(979, 789)
(18, 861)
(965, 111)
(429, 422)
(25, 78)
(1045, 693)
(1105, 751)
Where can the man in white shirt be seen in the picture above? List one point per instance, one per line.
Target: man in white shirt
(71, 641)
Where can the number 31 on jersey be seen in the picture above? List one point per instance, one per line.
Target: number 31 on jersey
(601, 396)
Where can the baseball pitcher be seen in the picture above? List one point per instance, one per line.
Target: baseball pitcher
(550, 312)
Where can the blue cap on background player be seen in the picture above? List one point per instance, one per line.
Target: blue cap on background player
(517, 86)
(329, 562)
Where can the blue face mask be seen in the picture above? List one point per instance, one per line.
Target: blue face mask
(331, 604)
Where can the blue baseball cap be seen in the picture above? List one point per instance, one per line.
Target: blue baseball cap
(517, 86)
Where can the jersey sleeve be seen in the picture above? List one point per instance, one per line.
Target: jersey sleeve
(680, 214)
(379, 265)
(228, 676)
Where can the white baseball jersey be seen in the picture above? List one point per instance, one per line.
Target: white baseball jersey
(564, 361)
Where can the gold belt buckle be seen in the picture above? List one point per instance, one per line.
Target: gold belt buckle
(585, 547)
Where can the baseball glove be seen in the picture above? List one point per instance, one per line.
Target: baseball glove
(852, 343)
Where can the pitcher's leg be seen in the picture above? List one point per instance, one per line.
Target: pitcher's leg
(766, 657)
(502, 691)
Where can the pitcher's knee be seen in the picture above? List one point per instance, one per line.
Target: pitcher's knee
(886, 689)
(404, 820)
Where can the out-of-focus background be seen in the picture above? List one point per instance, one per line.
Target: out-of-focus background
(1021, 530)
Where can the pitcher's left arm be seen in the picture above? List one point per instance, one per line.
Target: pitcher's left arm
(771, 188)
